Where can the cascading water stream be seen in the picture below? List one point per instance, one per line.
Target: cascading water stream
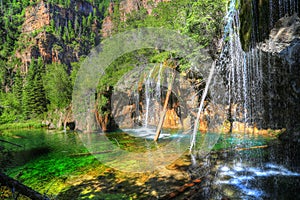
(148, 96)
(234, 62)
(252, 93)
(158, 87)
(153, 96)
(157, 99)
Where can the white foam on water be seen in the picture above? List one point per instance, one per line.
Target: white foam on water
(239, 176)
(238, 169)
(227, 173)
(224, 169)
(144, 132)
(245, 178)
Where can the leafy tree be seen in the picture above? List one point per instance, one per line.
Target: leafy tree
(57, 84)
(200, 19)
(8, 108)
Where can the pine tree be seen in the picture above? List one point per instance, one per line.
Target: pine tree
(34, 97)
(27, 95)
(71, 31)
(18, 89)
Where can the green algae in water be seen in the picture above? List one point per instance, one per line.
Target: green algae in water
(44, 160)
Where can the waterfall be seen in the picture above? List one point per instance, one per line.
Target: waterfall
(148, 96)
(153, 95)
(137, 105)
(258, 82)
(287, 7)
(243, 81)
(158, 87)
(251, 75)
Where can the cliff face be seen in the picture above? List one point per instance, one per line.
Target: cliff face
(126, 7)
(283, 48)
(266, 14)
(129, 6)
(43, 31)
(36, 17)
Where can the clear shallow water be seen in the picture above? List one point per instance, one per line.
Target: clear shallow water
(50, 162)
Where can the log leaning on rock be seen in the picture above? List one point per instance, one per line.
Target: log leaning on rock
(163, 113)
(21, 188)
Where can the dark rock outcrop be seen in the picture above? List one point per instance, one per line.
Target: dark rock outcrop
(283, 50)
(259, 18)
(292, 135)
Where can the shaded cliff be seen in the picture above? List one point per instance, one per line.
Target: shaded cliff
(272, 30)
(259, 17)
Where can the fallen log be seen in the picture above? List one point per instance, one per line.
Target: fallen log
(10, 143)
(90, 153)
(163, 113)
(249, 148)
(22, 189)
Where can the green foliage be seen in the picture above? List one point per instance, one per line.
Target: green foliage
(9, 106)
(26, 96)
(201, 19)
(22, 125)
(11, 19)
(57, 84)
(75, 67)
(34, 96)
(67, 3)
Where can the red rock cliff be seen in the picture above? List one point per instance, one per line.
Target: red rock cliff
(41, 42)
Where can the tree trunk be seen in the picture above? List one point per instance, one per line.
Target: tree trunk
(163, 113)
(19, 187)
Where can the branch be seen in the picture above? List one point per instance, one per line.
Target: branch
(10, 143)
(90, 153)
(19, 187)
